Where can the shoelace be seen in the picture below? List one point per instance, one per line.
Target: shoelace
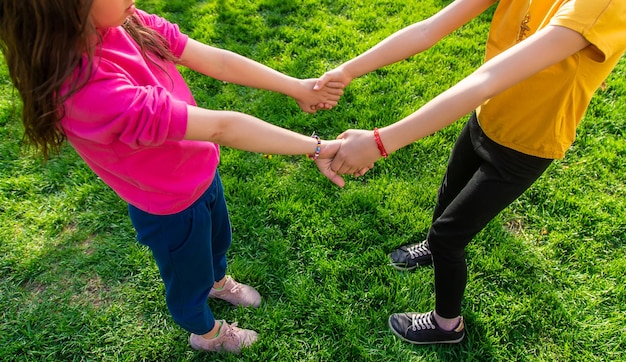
(421, 321)
(235, 287)
(420, 249)
(241, 337)
(230, 332)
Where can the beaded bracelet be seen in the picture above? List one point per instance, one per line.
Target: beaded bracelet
(317, 149)
(379, 143)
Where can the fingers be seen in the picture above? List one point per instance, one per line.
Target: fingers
(362, 171)
(340, 167)
(335, 178)
(324, 166)
(321, 82)
(334, 92)
(327, 92)
(325, 106)
(331, 96)
(336, 85)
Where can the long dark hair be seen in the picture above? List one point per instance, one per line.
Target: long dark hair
(44, 43)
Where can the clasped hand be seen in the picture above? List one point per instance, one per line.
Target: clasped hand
(355, 151)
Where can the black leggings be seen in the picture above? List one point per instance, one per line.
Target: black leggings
(482, 179)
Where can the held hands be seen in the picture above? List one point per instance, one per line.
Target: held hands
(313, 99)
(338, 75)
(357, 153)
(324, 93)
(328, 150)
(354, 151)
(335, 76)
(330, 153)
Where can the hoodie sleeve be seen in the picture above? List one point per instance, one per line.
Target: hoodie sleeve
(111, 108)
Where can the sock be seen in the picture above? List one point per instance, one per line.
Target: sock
(218, 331)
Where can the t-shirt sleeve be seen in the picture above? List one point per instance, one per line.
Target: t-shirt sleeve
(110, 108)
(601, 22)
(171, 32)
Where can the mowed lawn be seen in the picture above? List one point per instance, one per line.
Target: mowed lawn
(546, 277)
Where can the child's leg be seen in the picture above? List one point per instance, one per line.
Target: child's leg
(502, 177)
(221, 234)
(181, 246)
(225, 288)
(465, 163)
(462, 166)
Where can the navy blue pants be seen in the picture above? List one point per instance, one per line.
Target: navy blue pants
(482, 179)
(190, 250)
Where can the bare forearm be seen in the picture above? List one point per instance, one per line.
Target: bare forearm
(416, 38)
(245, 132)
(241, 70)
(231, 67)
(398, 46)
(436, 114)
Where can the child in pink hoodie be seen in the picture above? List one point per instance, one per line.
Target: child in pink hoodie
(102, 75)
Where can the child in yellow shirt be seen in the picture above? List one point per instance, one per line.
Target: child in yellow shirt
(544, 61)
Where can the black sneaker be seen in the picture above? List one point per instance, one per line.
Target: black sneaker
(422, 328)
(409, 257)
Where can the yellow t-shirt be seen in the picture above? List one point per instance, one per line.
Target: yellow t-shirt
(539, 116)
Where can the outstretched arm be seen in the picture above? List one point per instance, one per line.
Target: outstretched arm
(407, 42)
(541, 50)
(231, 67)
(248, 133)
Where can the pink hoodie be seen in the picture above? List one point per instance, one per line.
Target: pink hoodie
(129, 121)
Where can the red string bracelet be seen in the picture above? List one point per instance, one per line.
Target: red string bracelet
(379, 143)
(317, 149)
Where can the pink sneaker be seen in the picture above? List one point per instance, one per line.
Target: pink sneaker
(237, 294)
(230, 339)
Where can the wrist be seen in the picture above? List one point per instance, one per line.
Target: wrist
(379, 144)
(329, 148)
(318, 147)
(348, 73)
(297, 89)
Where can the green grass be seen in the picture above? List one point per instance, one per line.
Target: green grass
(546, 277)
